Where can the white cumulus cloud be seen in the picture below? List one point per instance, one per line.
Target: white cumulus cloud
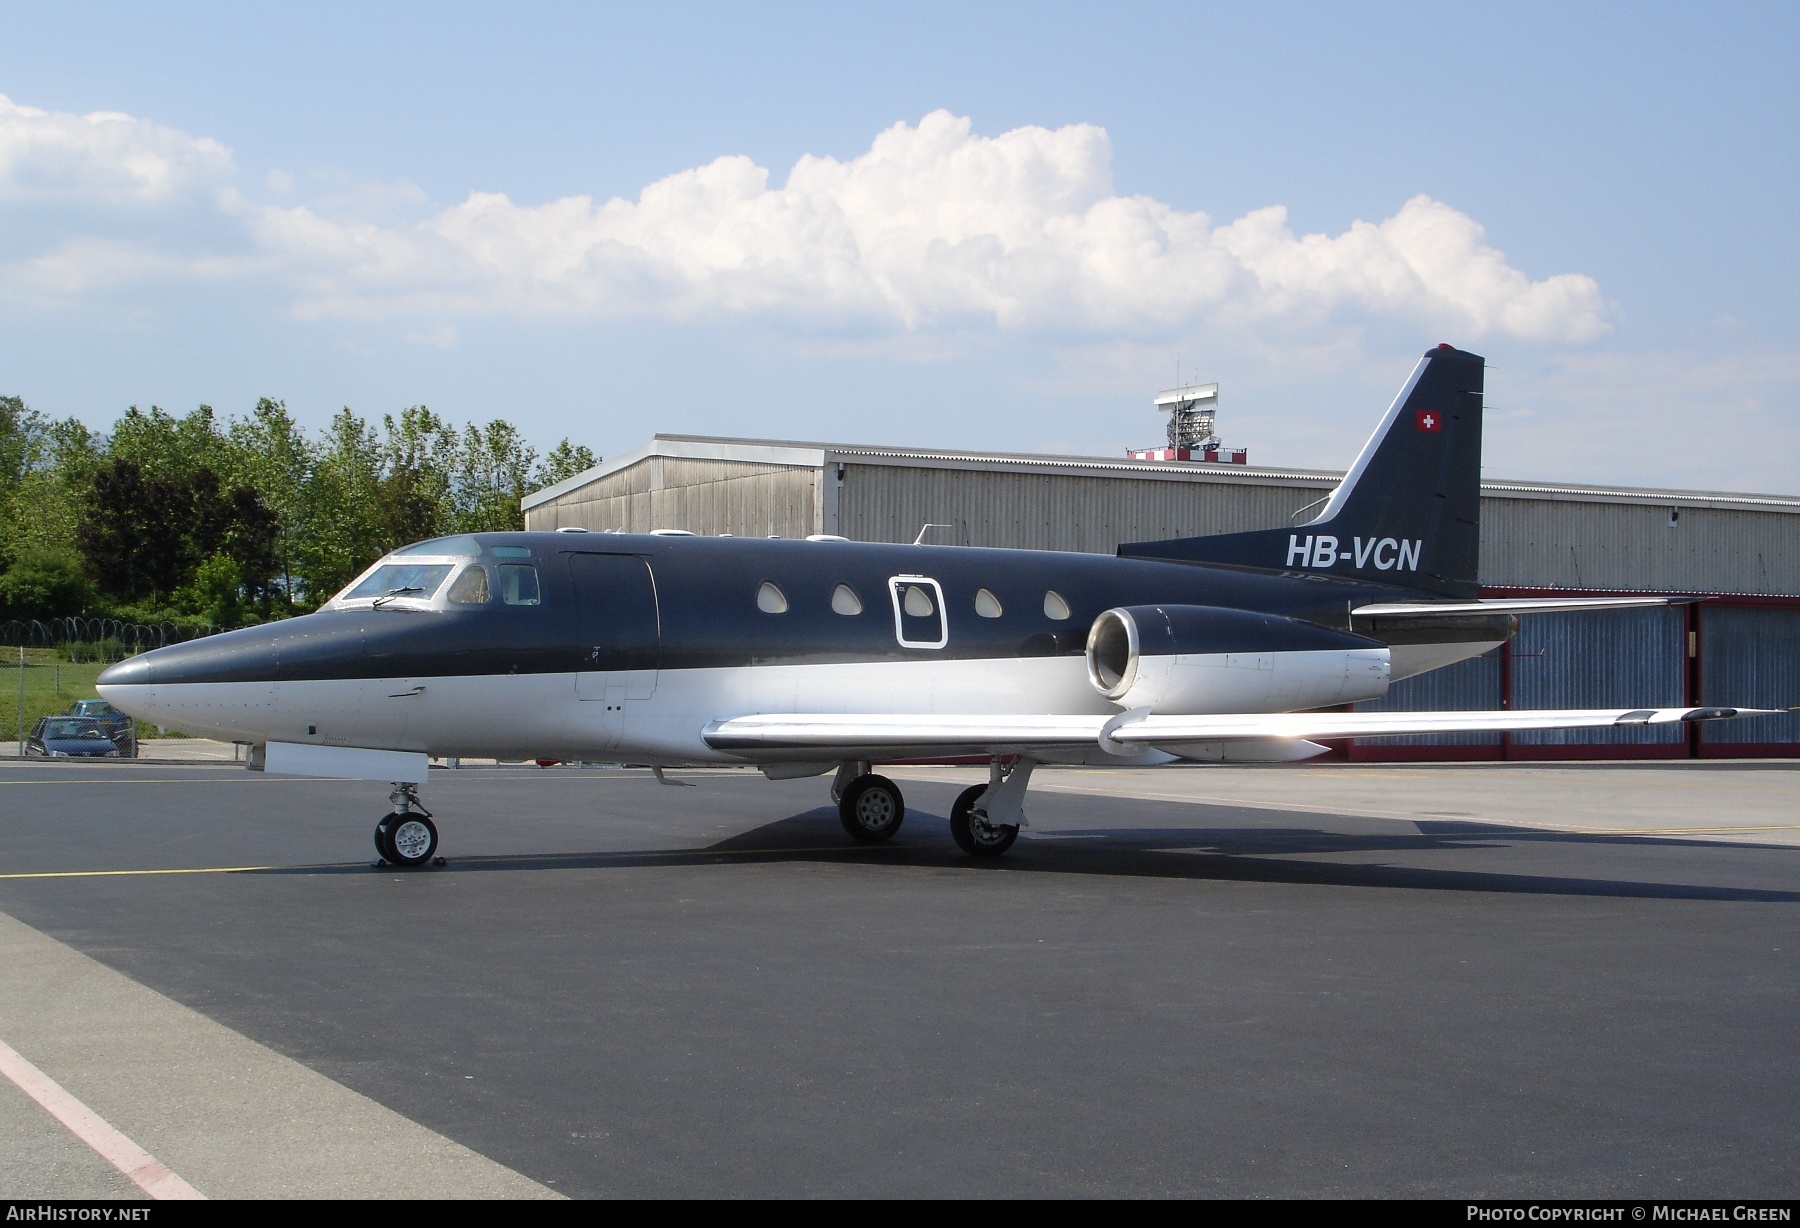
(104, 157)
(935, 227)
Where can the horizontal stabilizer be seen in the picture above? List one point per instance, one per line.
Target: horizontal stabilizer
(877, 735)
(1511, 605)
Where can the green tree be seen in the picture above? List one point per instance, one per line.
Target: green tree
(564, 461)
(44, 583)
(164, 446)
(275, 459)
(136, 537)
(494, 473)
(340, 509)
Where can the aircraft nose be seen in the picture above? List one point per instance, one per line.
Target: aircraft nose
(236, 656)
(132, 671)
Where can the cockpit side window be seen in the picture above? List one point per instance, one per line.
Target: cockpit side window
(518, 584)
(471, 587)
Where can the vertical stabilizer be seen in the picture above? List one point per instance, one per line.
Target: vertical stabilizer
(1409, 510)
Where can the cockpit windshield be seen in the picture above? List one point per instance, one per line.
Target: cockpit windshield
(415, 581)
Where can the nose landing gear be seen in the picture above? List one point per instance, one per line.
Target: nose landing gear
(406, 837)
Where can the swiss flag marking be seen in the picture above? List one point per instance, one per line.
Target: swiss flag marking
(1429, 420)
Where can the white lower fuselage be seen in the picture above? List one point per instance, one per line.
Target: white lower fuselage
(657, 717)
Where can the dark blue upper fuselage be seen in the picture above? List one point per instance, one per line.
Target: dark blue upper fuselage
(702, 611)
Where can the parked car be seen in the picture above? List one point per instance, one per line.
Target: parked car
(116, 724)
(70, 737)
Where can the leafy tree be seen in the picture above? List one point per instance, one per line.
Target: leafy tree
(215, 594)
(340, 509)
(275, 458)
(44, 583)
(224, 521)
(564, 461)
(494, 474)
(135, 536)
(238, 526)
(167, 447)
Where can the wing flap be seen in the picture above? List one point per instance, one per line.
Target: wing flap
(1126, 733)
(1511, 605)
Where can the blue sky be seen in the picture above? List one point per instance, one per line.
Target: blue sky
(1010, 221)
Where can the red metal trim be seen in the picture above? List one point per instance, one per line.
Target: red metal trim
(1728, 599)
(1750, 750)
(1540, 752)
(1423, 754)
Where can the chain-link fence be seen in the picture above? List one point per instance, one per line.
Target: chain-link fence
(57, 712)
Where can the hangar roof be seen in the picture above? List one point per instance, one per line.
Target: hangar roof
(812, 455)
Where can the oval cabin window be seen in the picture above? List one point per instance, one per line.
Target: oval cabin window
(1054, 606)
(987, 605)
(845, 601)
(771, 600)
(918, 602)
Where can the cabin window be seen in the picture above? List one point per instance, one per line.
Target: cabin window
(1054, 606)
(771, 600)
(918, 602)
(471, 588)
(845, 601)
(987, 605)
(518, 584)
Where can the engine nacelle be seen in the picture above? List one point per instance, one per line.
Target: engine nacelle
(1187, 660)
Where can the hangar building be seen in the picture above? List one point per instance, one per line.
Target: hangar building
(1741, 552)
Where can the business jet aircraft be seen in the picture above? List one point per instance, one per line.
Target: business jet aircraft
(805, 657)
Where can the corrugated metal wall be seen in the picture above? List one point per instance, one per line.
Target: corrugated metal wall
(1525, 542)
(1472, 685)
(1028, 511)
(702, 496)
(1570, 543)
(1750, 658)
(1605, 659)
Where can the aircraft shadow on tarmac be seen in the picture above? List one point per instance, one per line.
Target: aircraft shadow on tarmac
(1224, 854)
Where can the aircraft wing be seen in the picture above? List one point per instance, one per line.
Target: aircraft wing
(826, 734)
(1511, 605)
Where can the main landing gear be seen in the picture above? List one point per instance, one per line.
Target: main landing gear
(984, 822)
(407, 837)
(985, 819)
(869, 806)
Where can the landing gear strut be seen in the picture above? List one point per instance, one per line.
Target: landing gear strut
(407, 837)
(985, 819)
(869, 806)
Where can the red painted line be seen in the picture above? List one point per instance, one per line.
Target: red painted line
(150, 1174)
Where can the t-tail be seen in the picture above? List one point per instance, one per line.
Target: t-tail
(1407, 513)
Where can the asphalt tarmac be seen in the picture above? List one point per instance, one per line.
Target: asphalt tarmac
(617, 988)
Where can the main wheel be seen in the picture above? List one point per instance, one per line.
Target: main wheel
(406, 839)
(872, 808)
(975, 837)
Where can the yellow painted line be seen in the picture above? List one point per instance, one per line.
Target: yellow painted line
(183, 780)
(145, 873)
(473, 860)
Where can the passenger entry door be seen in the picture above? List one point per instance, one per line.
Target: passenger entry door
(617, 630)
(919, 619)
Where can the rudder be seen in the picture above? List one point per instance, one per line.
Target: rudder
(1409, 510)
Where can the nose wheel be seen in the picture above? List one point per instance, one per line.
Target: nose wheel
(407, 836)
